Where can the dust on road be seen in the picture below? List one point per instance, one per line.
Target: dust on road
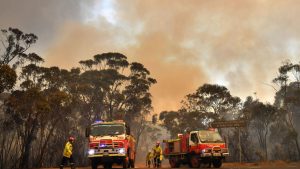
(262, 165)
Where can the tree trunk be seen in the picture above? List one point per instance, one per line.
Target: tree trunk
(298, 149)
(110, 116)
(2, 156)
(43, 150)
(27, 146)
(265, 141)
(138, 134)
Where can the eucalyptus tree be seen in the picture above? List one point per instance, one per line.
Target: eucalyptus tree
(114, 88)
(137, 102)
(210, 102)
(288, 98)
(26, 106)
(137, 99)
(13, 55)
(246, 133)
(101, 83)
(7, 78)
(14, 44)
(25, 109)
(263, 116)
(43, 113)
(53, 82)
(171, 120)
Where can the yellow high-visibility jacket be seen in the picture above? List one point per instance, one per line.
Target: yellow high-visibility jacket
(157, 151)
(68, 149)
(149, 156)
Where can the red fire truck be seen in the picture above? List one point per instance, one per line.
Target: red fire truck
(110, 143)
(196, 148)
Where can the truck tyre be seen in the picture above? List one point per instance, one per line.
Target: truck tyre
(194, 161)
(217, 163)
(107, 165)
(125, 163)
(174, 163)
(94, 163)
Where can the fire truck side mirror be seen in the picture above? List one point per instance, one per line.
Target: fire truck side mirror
(127, 130)
(87, 132)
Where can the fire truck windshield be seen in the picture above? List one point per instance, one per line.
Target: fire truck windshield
(210, 136)
(107, 129)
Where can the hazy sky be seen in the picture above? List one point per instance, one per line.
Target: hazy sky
(184, 43)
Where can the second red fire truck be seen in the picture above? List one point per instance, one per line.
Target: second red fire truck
(196, 148)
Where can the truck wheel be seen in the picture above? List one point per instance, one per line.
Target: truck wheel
(94, 163)
(217, 163)
(174, 163)
(194, 162)
(125, 163)
(107, 165)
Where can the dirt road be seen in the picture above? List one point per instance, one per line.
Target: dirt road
(265, 165)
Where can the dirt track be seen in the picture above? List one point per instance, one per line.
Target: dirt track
(264, 165)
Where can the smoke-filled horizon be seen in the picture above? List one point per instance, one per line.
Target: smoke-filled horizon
(184, 44)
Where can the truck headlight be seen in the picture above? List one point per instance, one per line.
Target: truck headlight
(91, 152)
(121, 150)
(206, 150)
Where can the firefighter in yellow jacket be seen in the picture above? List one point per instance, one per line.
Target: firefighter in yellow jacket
(67, 154)
(157, 155)
(149, 159)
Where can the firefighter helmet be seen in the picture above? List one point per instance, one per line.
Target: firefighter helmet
(71, 138)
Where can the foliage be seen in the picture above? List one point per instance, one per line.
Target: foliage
(15, 43)
(210, 102)
(110, 93)
(260, 117)
(8, 78)
(51, 104)
(287, 98)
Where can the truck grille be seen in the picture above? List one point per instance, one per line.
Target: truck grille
(109, 145)
(105, 144)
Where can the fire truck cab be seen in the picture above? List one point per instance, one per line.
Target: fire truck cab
(110, 143)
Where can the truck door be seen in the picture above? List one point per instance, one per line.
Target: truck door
(193, 140)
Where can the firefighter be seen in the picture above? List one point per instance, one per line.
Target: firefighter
(157, 155)
(148, 159)
(67, 154)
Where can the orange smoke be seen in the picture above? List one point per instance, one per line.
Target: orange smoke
(184, 44)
